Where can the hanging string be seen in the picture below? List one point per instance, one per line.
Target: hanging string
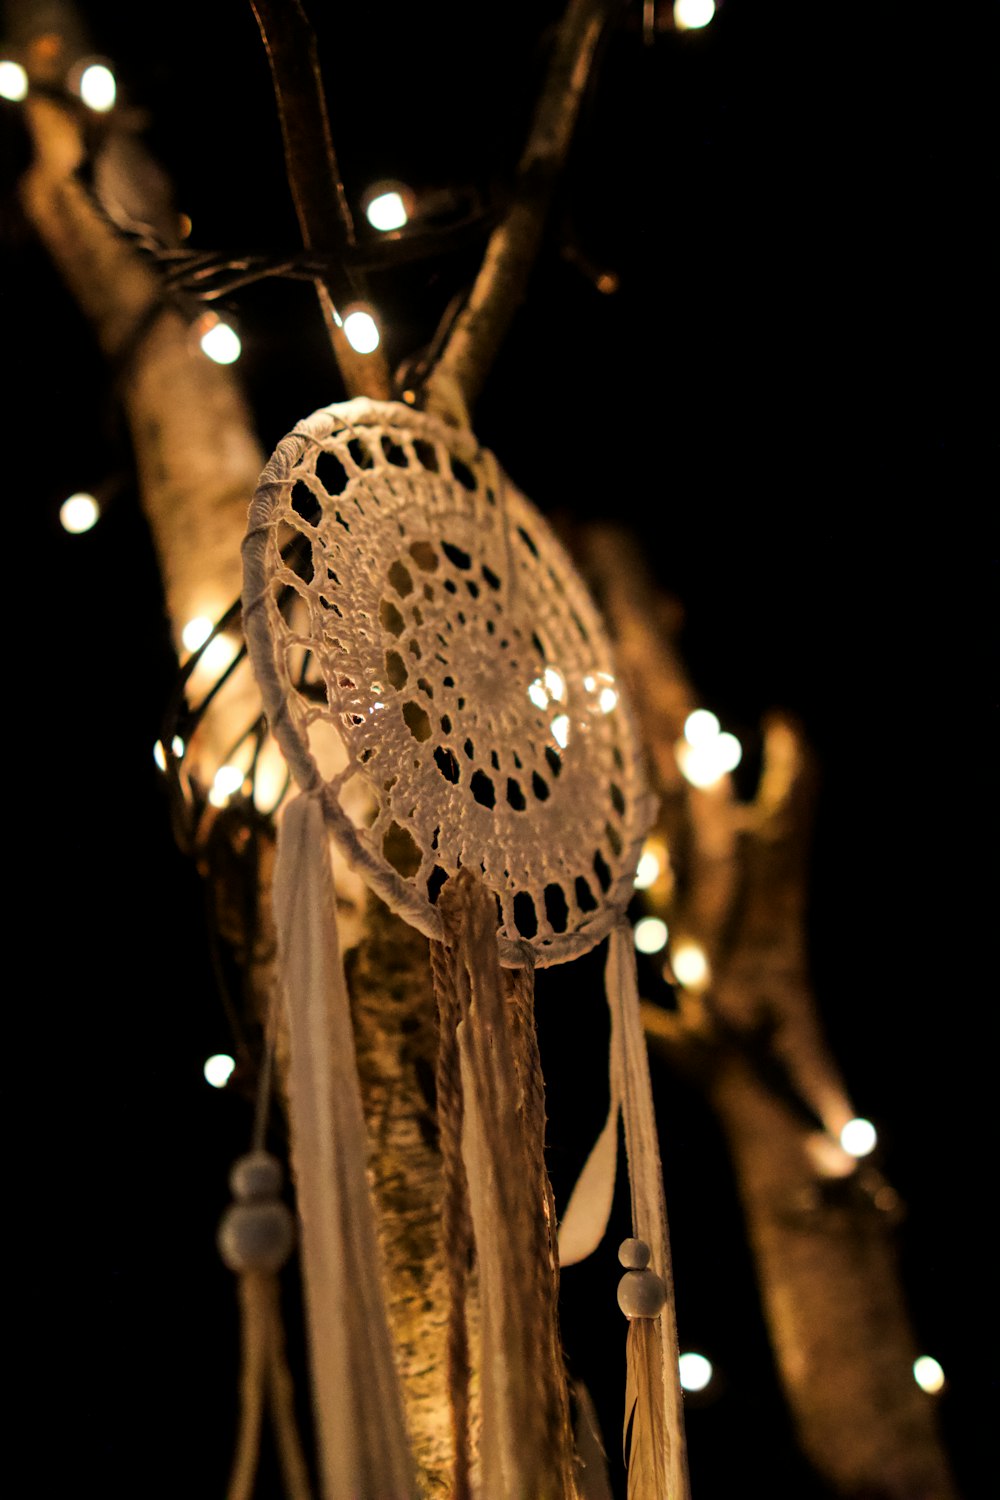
(456, 1223)
(526, 1445)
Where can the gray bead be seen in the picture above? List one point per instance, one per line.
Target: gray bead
(257, 1175)
(634, 1254)
(256, 1236)
(641, 1294)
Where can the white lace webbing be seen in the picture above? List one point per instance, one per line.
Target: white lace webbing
(436, 673)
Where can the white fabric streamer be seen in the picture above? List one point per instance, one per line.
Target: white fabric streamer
(649, 1209)
(364, 1450)
(585, 1221)
(586, 1218)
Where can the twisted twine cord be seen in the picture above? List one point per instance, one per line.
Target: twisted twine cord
(553, 1395)
(456, 1219)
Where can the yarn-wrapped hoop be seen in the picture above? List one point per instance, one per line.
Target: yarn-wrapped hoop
(434, 669)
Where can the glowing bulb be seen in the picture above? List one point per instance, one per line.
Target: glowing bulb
(696, 1371)
(708, 758)
(537, 694)
(221, 343)
(555, 683)
(177, 746)
(650, 934)
(858, 1137)
(690, 965)
(217, 655)
(13, 80)
(218, 1069)
(228, 779)
(361, 331)
(78, 513)
(607, 698)
(160, 755)
(701, 727)
(648, 869)
(928, 1374)
(196, 632)
(691, 15)
(387, 211)
(590, 683)
(560, 730)
(728, 752)
(98, 88)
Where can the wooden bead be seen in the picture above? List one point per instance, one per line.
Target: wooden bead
(256, 1236)
(641, 1294)
(256, 1175)
(634, 1254)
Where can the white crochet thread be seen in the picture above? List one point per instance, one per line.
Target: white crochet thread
(435, 671)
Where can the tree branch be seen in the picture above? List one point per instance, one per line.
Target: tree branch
(479, 330)
(314, 180)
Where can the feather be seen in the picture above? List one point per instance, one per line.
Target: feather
(364, 1451)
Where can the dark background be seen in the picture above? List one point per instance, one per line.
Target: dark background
(778, 400)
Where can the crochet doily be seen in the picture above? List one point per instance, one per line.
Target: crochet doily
(434, 669)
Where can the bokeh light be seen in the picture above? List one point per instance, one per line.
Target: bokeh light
(79, 513)
(218, 1069)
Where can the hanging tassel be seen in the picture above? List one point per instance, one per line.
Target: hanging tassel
(642, 1296)
(255, 1240)
(657, 1460)
(526, 1442)
(364, 1452)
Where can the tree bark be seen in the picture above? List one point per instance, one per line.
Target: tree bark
(819, 1225)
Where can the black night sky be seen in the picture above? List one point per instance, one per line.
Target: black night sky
(777, 401)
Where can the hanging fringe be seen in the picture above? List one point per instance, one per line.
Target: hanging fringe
(526, 1443)
(645, 1446)
(364, 1452)
(264, 1373)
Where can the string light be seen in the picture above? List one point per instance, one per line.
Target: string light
(228, 779)
(696, 1371)
(361, 331)
(388, 206)
(692, 15)
(218, 340)
(217, 655)
(701, 727)
(13, 81)
(648, 869)
(537, 694)
(218, 1069)
(196, 632)
(858, 1137)
(690, 965)
(79, 513)
(97, 87)
(928, 1374)
(650, 934)
(159, 754)
(705, 754)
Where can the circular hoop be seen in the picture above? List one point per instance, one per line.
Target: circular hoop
(435, 671)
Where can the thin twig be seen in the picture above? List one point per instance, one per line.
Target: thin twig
(314, 179)
(499, 288)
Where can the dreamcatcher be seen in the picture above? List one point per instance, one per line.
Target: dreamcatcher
(444, 694)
